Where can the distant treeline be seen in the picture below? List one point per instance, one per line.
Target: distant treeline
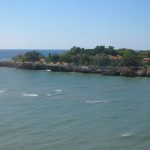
(98, 56)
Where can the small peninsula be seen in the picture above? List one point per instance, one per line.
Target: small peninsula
(99, 60)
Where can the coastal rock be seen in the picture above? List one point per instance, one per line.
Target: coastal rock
(128, 71)
(148, 72)
(111, 71)
(141, 73)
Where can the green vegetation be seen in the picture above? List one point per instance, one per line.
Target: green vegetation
(99, 56)
(31, 56)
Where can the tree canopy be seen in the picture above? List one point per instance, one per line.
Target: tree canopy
(98, 56)
(30, 56)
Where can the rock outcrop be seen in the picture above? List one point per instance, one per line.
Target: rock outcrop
(111, 71)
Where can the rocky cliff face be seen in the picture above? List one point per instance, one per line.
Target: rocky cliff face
(112, 71)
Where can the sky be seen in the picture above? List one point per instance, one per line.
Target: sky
(62, 24)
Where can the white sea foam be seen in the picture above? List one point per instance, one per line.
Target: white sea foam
(48, 70)
(58, 90)
(56, 94)
(126, 134)
(1, 91)
(49, 95)
(30, 94)
(98, 101)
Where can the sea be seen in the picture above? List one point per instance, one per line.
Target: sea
(43, 110)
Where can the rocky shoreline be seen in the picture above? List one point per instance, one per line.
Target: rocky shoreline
(111, 71)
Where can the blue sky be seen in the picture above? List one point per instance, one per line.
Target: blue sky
(61, 24)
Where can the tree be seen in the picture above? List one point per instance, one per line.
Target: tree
(85, 59)
(111, 51)
(131, 58)
(53, 58)
(32, 56)
(75, 50)
(99, 50)
(99, 60)
(19, 58)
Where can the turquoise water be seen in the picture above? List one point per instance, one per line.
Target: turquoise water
(42, 110)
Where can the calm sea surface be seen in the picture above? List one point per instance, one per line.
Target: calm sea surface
(42, 110)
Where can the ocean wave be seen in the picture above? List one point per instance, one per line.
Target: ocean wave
(98, 101)
(126, 134)
(58, 90)
(1, 91)
(30, 94)
(49, 95)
